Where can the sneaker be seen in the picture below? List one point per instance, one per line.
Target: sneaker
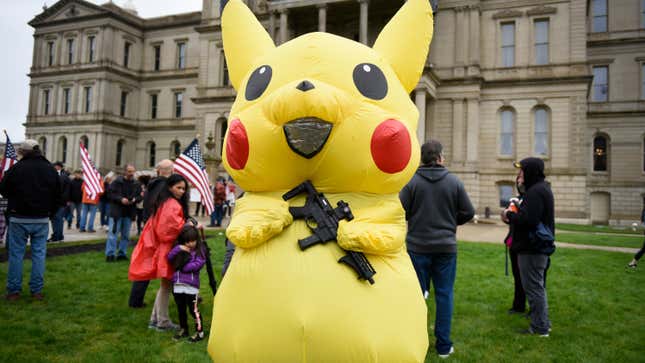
(122, 258)
(631, 265)
(152, 325)
(446, 355)
(81, 230)
(530, 331)
(109, 259)
(514, 312)
(14, 296)
(169, 327)
(38, 296)
(182, 334)
(197, 337)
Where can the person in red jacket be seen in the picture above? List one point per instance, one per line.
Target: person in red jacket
(88, 210)
(169, 214)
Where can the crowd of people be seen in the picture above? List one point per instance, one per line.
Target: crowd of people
(171, 247)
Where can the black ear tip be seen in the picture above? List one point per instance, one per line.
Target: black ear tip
(222, 5)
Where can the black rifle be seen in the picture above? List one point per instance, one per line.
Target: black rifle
(212, 281)
(323, 220)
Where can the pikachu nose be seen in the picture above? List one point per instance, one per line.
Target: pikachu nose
(305, 86)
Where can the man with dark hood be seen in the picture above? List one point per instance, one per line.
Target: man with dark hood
(435, 203)
(535, 213)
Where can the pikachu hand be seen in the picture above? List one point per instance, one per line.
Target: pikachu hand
(257, 219)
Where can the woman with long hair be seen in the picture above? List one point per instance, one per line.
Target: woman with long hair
(169, 214)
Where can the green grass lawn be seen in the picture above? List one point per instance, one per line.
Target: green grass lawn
(598, 228)
(595, 309)
(635, 241)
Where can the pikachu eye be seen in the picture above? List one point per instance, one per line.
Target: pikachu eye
(258, 82)
(370, 81)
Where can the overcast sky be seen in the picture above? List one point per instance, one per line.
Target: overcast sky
(16, 36)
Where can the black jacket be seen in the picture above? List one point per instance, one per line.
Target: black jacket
(32, 187)
(66, 185)
(536, 207)
(155, 186)
(435, 203)
(76, 190)
(122, 188)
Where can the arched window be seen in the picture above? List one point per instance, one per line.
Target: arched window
(643, 169)
(600, 153)
(62, 149)
(152, 154)
(119, 151)
(541, 132)
(43, 145)
(507, 132)
(175, 149)
(85, 141)
(223, 126)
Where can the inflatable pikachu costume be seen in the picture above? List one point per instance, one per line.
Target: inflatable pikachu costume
(338, 113)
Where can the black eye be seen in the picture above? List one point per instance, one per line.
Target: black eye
(370, 81)
(258, 82)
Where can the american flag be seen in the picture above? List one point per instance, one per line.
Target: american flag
(10, 156)
(190, 164)
(91, 177)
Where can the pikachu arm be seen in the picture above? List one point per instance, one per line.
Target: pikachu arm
(379, 229)
(256, 219)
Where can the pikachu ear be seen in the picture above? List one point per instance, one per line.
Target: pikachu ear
(245, 39)
(405, 40)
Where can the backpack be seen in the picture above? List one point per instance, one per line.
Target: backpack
(542, 239)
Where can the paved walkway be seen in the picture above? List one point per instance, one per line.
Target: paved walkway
(495, 233)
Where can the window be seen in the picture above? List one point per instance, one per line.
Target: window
(181, 55)
(43, 145)
(226, 81)
(222, 134)
(67, 100)
(119, 152)
(62, 146)
(157, 57)
(153, 106)
(124, 103)
(70, 51)
(600, 153)
(126, 54)
(46, 102)
(643, 80)
(85, 141)
(88, 99)
(599, 10)
(50, 53)
(541, 42)
(508, 44)
(152, 154)
(506, 134)
(175, 149)
(179, 97)
(505, 194)
(91, 45)
(600, 84)
(541, 132)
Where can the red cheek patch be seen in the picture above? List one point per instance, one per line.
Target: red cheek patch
(237, 146)
(391, 146)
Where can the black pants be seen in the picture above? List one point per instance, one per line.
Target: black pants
(139, 220)
(640, 253)
(137, 293)
(188, 302)
(519, 298)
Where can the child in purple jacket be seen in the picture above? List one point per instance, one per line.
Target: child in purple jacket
(187, 258)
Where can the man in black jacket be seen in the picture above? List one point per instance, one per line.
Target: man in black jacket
(435, 203)
(165, 169)
(125, 193)
(533, 252)
(76, 199)
(34, 192)
(58, 219)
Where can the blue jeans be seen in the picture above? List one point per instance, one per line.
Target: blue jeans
(118, 227)
(104, 208)
(91, 209)
(441, 268)
(58, 223)
(17, 237)
(74, 208)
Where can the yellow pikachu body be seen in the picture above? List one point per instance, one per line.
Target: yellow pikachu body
(338, 113)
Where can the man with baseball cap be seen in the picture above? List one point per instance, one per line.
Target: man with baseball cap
(34, 191)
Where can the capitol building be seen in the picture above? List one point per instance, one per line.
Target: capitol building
(563, 80)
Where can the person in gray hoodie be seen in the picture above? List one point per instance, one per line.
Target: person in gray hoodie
(435, 203)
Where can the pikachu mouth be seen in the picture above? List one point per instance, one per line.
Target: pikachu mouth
(307, 136)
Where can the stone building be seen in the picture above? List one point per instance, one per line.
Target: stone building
(563, 80)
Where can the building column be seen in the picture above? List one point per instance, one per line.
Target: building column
(74, 150)
(472, 133)
(457, 130)
(461, 39)
(98, 156)
(284, 25)
(322, 17)
(363, 21)
(272, 25)
(420, 101)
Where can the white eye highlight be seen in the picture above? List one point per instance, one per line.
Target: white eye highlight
(263, 69)
(367, 68)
